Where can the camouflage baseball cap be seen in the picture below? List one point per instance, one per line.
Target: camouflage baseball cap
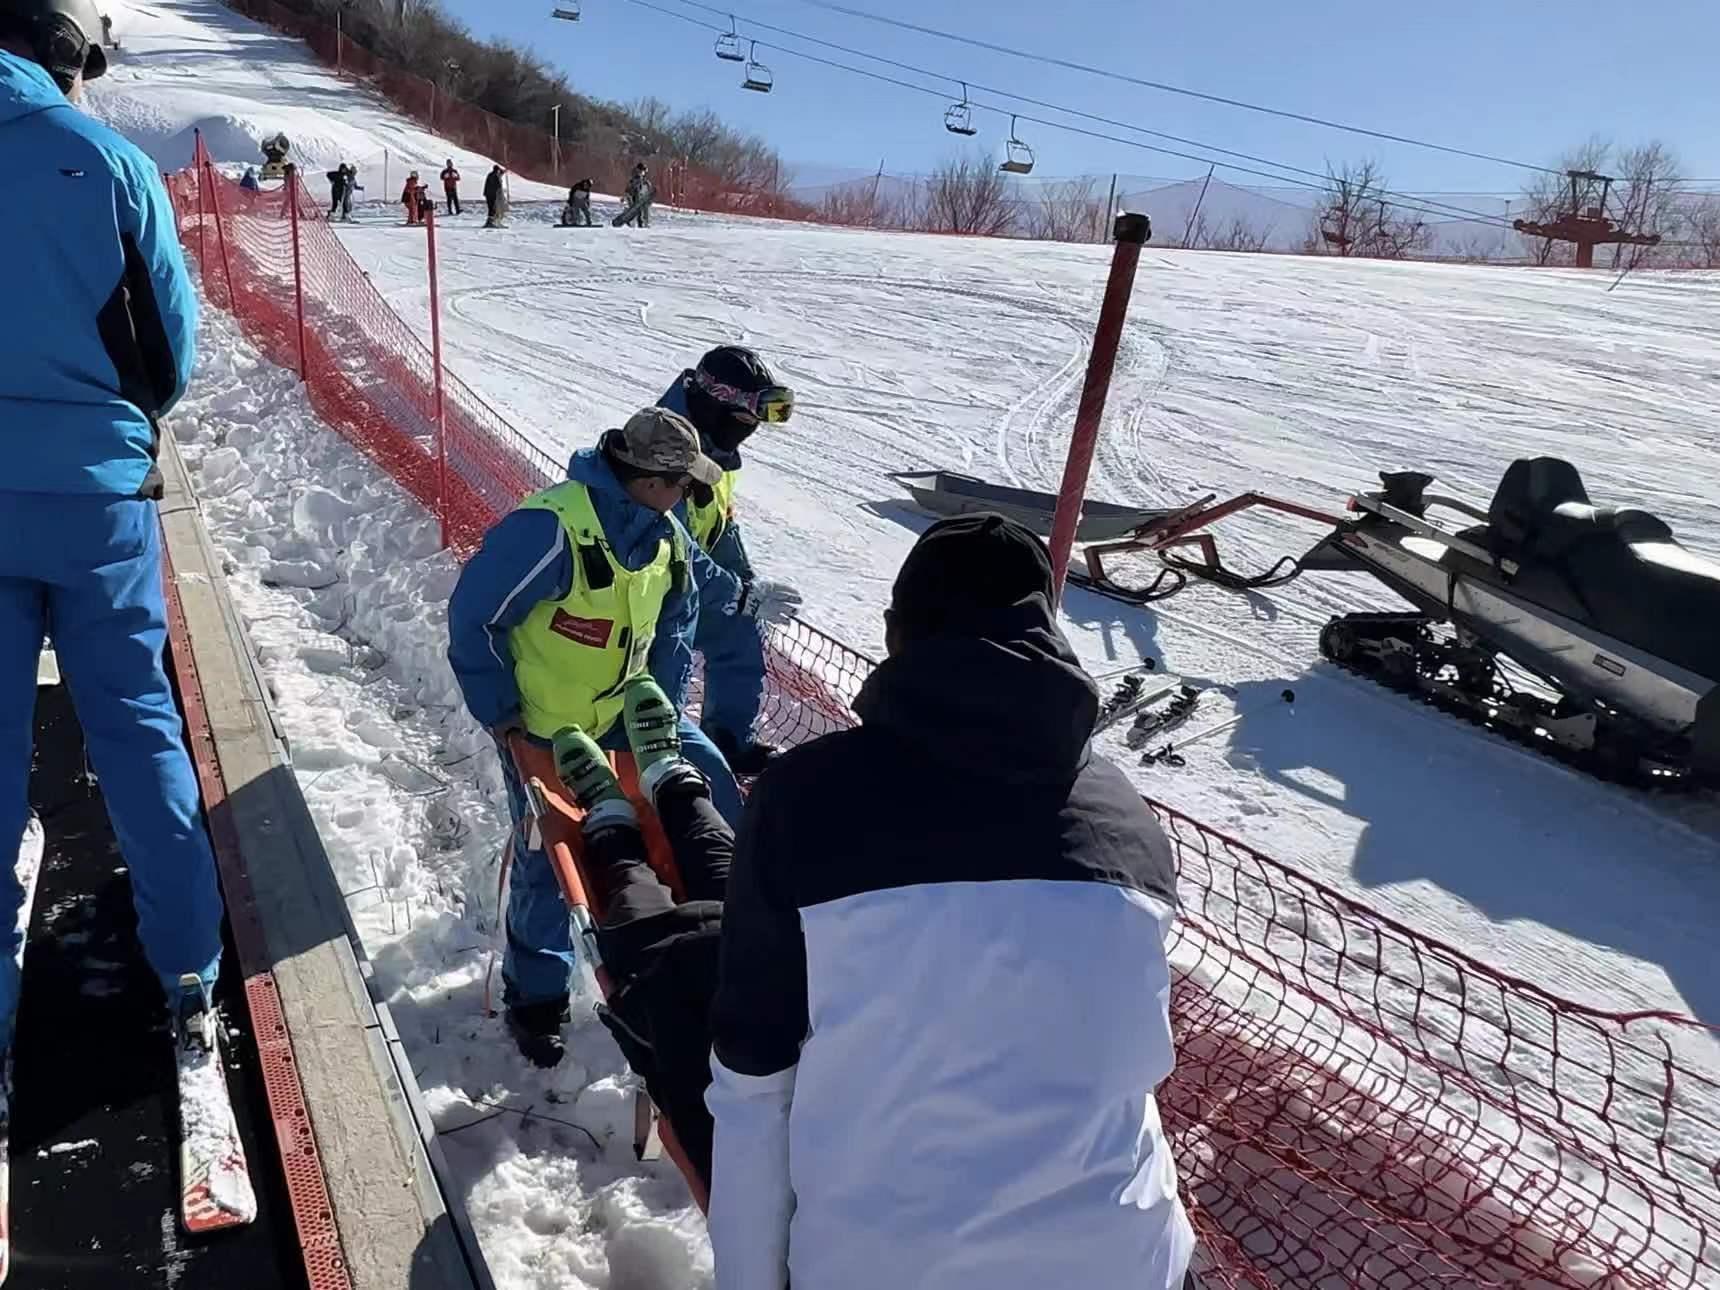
(662, 442)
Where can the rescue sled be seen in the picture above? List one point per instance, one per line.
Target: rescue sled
(557, 818)
(948, 492)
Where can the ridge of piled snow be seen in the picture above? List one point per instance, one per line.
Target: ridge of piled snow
(190, 65)
(338, 576)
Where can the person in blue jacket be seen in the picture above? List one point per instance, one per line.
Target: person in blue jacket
(535, 600)
(727, 396)
(96, 346)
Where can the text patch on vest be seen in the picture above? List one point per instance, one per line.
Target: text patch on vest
(587, 631)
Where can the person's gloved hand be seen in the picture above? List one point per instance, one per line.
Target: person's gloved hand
(765, 601)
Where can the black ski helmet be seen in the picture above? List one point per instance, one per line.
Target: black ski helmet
(63, 35)
(734, 365)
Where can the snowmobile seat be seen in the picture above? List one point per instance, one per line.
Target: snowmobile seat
(1621, 568)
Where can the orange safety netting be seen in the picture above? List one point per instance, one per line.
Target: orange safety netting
(1355, 1105)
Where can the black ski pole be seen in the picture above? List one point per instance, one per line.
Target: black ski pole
(1171, 754)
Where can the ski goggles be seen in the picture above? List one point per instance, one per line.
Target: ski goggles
(774, 404)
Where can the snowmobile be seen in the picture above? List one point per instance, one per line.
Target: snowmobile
(1617, 622)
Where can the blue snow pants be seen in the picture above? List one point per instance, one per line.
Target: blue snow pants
(538, 964)
(734, 673)
(86, 571)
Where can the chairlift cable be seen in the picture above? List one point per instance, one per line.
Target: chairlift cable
(1443, 210)
(1175, 89)
(1450, 213)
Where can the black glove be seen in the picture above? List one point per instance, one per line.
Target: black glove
(701, 494)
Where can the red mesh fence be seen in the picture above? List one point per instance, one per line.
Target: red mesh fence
(1355, 1105)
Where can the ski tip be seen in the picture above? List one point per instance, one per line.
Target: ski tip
(201, 1213)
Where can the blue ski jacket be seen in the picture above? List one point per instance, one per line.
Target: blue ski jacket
(99, 334)
(729, 551)
(525, 559)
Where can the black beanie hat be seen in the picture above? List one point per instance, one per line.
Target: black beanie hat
(964, 569)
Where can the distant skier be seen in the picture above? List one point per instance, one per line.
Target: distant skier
(496, 197)
(101, 353)
(248, 180)
(577, 212)
(451, 187)
(409, 198)
(340, 185)
(640, 194)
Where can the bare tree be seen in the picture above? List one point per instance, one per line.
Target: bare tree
(1067, 211)
(864, 204)
(1646, 197)
(1357, 215)
(1702, 232)
(968, 194)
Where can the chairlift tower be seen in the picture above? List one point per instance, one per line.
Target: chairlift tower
(1586, 227)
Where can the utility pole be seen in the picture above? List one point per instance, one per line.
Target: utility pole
(1198, 202)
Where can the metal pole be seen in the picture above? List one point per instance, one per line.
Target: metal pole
(197, 165)
(298, 272)
(1110, 209)
(337, 48)
(220, 231)
(436, 365)
(1131, 233)
(1195, 213)
(555, 135)
(385, 183)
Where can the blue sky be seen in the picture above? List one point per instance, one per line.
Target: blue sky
(1520, 80)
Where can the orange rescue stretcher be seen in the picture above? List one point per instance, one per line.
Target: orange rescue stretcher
(557, 818)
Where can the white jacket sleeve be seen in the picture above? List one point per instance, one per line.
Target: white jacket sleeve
(752, 1199)
(759, 1022)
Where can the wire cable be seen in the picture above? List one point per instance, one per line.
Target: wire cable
(1051, 61)
(1449, 209)
(1401, 201)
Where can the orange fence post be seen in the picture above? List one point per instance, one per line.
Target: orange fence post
(436, 365)
(298, 271)
(197, 170)
(220, 231)
(1131, 233)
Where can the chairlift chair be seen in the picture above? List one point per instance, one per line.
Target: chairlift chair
(958, 117)
(566, 12)
(729, 45)
(1018, 158)
(758, 75)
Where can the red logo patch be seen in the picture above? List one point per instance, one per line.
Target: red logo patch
(587, 631)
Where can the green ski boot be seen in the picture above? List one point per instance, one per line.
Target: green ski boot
(654, 735)
(584, 769)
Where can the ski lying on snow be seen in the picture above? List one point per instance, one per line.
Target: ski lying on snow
(214, 1178)
(29, 868)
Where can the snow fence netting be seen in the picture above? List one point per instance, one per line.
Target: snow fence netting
(1354, 1103)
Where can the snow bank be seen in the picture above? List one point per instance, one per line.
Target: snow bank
(344, 592)
(189, 65)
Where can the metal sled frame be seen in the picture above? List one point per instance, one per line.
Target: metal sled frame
(558, 819)
(1164, 536)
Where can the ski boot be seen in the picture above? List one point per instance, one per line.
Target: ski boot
(749, 758)
(654, 735)
(536, 1031)
(194, 1015)
(584, 768)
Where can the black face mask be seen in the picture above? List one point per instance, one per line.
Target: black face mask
(731, 432)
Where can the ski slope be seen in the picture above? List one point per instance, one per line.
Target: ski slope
(1297, 377)
(190, 65)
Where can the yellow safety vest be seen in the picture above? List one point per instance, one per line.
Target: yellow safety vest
(573, 656)
(706, 523)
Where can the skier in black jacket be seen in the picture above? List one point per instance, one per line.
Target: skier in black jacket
(944, 974)
(495, 198)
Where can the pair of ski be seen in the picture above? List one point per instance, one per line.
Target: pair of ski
(214, 1177)
(1156, 704)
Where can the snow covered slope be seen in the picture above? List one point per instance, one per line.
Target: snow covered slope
(1294, 376)
(187, 65)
